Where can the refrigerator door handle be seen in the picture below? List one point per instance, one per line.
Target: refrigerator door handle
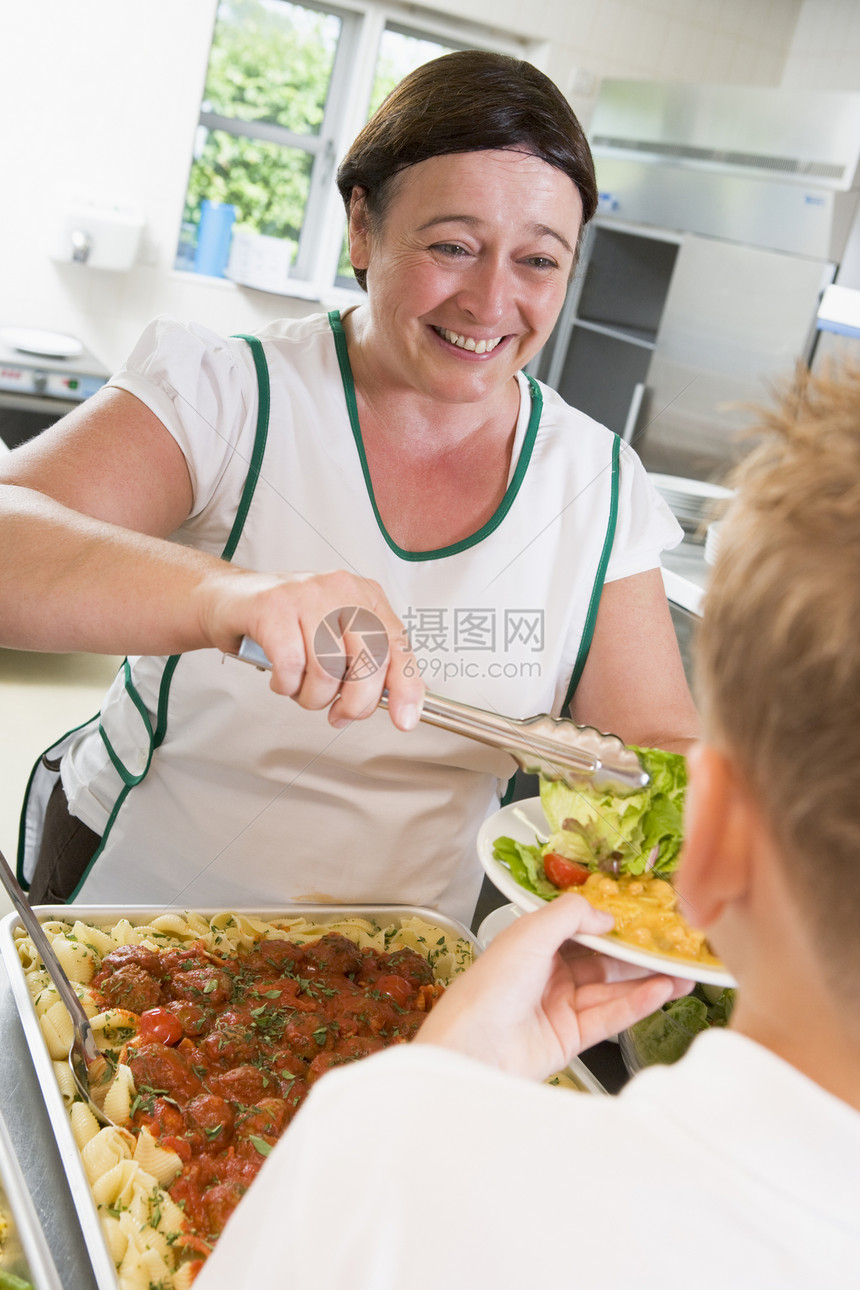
(633, 412)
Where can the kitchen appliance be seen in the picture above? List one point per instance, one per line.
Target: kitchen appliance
(43, 375)
(724, 212)
(838, 327)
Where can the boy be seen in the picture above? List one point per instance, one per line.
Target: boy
(423, 1166)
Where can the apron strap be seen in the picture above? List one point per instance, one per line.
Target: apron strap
(261, 435)
(594, 603)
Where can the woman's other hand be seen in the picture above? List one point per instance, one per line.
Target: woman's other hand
(535, 998)
(333, 640)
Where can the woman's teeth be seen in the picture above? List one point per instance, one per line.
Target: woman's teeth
(467, 342)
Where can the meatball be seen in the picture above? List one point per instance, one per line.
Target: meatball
(228, 1045)
(245, 1085)
(131, 987)
(282, 956)
(210, 1120)
(412, 966)
(333, 953)
(166, 1069)
(203, 985)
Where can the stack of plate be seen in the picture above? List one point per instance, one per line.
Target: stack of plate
(691, 501)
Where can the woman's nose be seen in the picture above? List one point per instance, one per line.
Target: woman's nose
(488, 293)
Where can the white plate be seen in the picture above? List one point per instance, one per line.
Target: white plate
(496, 922)
(522, 821)
(46, 344)
(689, 488)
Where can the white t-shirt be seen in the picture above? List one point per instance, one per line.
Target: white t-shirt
(420, 1168)
(209, 789)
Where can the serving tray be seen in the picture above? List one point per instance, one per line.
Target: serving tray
(24, 1224)
(102, 1263)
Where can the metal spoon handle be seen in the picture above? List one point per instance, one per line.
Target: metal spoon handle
(63, 985)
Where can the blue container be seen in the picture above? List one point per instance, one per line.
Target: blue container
(213, 238)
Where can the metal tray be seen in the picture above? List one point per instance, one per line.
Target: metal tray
(102, 1263)
(36, 1263)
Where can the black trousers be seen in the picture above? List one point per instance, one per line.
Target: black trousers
(66, 850)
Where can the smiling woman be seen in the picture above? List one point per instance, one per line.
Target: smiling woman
(395, 460)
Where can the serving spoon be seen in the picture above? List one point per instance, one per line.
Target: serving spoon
(90, 1069)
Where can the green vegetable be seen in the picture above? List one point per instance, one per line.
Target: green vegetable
(598, 829)
(8, 1281)
(526, 865)
(720, 1011)
(666, 1035)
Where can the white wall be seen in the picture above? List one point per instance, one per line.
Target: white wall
(825, 52)
(102, 96)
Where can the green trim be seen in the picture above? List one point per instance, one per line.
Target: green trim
(22, 818)
(157, 736)
(597, 589)
(261, 435)
(513, 488)
(127, 776)
(123, 794)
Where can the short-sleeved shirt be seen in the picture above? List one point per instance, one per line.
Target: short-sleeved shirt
(210, 789)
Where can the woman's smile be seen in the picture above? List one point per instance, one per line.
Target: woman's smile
(469, 343)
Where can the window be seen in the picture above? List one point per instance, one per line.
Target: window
(288, 87)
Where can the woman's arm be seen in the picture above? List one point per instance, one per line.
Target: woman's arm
(84, 509)
(633, 684)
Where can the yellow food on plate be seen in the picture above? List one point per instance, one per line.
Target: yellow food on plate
(646, 915)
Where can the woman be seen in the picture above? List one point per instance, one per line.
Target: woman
(399, 454)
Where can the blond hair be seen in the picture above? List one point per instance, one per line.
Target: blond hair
(778, 654)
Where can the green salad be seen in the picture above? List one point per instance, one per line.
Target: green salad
(666, 1035)
(595, 831)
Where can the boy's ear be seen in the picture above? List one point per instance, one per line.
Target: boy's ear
(718, 837)
(359, 230)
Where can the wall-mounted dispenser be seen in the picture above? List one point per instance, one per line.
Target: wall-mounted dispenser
(100, 236)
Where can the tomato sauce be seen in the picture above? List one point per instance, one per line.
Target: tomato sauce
(227, 1048)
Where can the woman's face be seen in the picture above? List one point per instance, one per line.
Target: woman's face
(467, 273)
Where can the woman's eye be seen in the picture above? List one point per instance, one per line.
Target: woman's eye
(449, 248)
(541, 262)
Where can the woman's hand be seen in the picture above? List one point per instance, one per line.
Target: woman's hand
(333, 640)
(535, 998)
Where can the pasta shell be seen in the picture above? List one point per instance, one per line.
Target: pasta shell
(120, 1095)
(114, 1187)
(115, 1237)
(164, 1165)
(104, 1152)
(57, 1030)
(85, 1126)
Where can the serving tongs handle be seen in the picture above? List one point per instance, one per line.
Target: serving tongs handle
(554, 747)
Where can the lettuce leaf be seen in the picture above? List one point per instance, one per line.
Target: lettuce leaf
(598, 828)
(526, 866)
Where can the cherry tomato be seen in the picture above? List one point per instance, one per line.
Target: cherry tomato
(396, 987)
(562, 872)
(158, 1026)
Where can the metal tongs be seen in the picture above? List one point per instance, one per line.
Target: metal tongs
(90, 1069)
(554, 747)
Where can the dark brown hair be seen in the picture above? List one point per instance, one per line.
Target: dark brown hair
(468, 101)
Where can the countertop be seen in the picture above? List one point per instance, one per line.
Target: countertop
(685, 575)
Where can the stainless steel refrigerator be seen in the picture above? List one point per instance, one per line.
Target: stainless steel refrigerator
(724, 212)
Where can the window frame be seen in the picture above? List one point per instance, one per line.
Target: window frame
(313, 274)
